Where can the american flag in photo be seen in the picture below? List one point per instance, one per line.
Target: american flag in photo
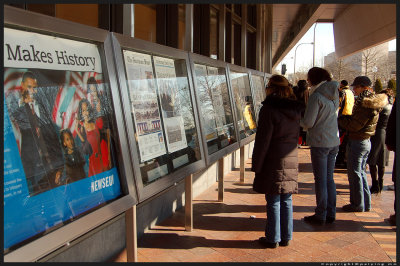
(12, 90)
(66, 105)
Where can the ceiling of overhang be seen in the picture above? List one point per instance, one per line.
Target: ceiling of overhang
(291, 21)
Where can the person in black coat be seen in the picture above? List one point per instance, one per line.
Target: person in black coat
(378, 156)
(41, 153)
(301, 92)
(275, 161)
(390, 142)
(74, 161)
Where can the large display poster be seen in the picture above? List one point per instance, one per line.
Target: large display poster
(217, 81)
(170, 103)
(58, 156)
(238, 96)
(207, 106)
(258, 83)
(144, 103)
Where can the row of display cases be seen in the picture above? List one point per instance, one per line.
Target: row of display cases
(96, 122)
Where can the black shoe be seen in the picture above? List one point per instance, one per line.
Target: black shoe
(284, 243)
(380, 184)
(351, 208)
(313, 220)
(263, 241)
(392, 219)
(374, 189)
(329, 220)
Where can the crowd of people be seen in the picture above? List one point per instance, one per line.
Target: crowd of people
(344, 126)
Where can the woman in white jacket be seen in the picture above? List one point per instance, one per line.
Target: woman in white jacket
(320, 120)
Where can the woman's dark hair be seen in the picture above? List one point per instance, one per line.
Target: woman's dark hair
(62, 133)
(90, 110)
(302, 84)
(91, 81)
(280, 87)
(316, 75)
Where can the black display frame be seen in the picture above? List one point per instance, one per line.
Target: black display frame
(203, 60)
(121, 42)
(235, 68)
(33, 22)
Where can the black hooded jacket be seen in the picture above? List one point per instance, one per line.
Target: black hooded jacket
(274, 157)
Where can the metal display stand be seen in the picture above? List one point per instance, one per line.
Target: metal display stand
(145, 191)
(217, 156)
(251, 137)
(189, 203)
(62, 236)
(123, 43)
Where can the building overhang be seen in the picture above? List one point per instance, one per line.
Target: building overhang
(356, 26)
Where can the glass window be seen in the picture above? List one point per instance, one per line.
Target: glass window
(165, 129)
(213, 33)
(244, 103)
(59, 134)
(216, 111)
(145, 22)
(258, 93)
(181, 26)
(238, 9)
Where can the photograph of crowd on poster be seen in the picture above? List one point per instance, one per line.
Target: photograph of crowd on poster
(238, 97)
(170, 103)
(58, 155)
(207, 106)
(258, 83)
(144, 104)
(216, 92)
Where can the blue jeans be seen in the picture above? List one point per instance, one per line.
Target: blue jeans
(279, 217)
(357, 155)
(323, 164)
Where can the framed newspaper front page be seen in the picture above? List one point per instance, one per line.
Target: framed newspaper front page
(243, 101)
(161, 115)
(214, 100)
(257, 79)
(65, 162)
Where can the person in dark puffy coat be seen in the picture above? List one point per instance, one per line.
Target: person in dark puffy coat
(379, 155)
(390, 142)
(274, 159)
(361, 125)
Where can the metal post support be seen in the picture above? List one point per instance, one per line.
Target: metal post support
(128, 26)
(242, 164)
(188, 203)
(131, 234)
(221, 179)
(189, 27)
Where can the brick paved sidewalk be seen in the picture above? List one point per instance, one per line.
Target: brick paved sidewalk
(225, 232)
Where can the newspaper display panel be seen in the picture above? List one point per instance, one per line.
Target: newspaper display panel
(170, 103)
(59, 152)
(244, 103)
(216, 111)
(258, 92)
(145, 108)
(158, 88)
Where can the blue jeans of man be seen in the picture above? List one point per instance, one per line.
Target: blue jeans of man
(279, 217)
(323, 163)
(357, 155)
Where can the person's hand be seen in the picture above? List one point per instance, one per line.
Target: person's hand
(57, 179)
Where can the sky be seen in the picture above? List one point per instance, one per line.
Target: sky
(324, 45)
